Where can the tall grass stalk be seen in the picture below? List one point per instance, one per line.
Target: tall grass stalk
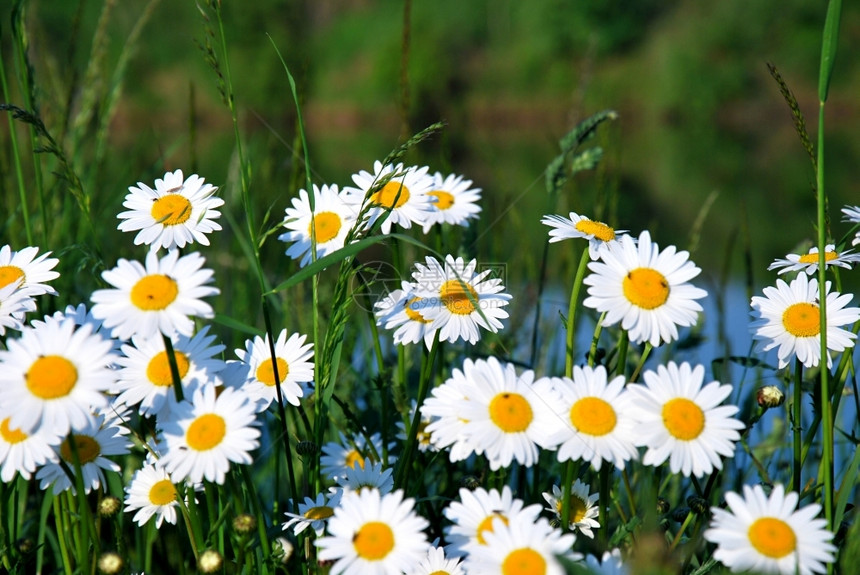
(828, 54)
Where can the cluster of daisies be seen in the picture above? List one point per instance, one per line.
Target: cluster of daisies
(391, 195)
(645, 290)
(75, 385)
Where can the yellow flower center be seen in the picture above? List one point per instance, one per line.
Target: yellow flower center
(813, 258)
(10, 435)
(326, 226)
(374, 541)
(171, 210)
(206, 432)
(440, 572)
(646, 288)
(354, 458)
(597, 229)
(87, 447)
(10, 274)
(51, 377)
(458, 297)
(524, 561)
(266, 371)
(578, 507)
(772, 537)
(154, 292)
(683, 418)
(487, 526)
(158, 369)
(802, 319)
(593, 416)
(412, 314)
(444, 200)
(511, 412)
(318, 513)
(392, 195)
(162, 492)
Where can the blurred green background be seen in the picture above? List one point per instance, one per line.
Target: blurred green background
(698, 111)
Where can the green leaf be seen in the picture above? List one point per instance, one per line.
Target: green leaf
(828, 47)
(236, 325)
(343, 253)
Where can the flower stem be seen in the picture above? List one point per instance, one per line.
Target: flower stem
(796, 408)
(571, 312)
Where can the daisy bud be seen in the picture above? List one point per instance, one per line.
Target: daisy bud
(769, 396)
(470, 482)
(25, 545)
(663, 506)
(679, 515)
(110, 563)
(109, 506)
(306, 448)
(244, 523)
(698, 505)
(210, 561)
(282, 549)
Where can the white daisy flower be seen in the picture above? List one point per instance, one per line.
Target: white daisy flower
(22, 452)
(402, 200)
(472, 517)
(332, 219)
(145, 378)
(521, 547)
(373, 533)
(54, 376)
(788, 317)
(809, 262)
(27, 271)
(160, 297)
(314, 513)
(769, 534)
(683, 421)
(399, 311)
(14, 304)
(596, 418)
(152, 494)
(583, 511)
(455, 201)
(443, 408)
(368, 475)
(597, 233)
(645, 289)
(93, 443)
(610, 564)
(339, 456)
(177, 212)
(457, 300)
(204, 436)
(435, 563)
(507, 416)
(294, 367)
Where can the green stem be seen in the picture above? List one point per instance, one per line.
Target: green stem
(174, 368)
(645, 353)
(603, 500)
(404, 463)
(59, 518)
(19, 172)
(571, 313)
(797, 406)
(282, 411)
(565, 499)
